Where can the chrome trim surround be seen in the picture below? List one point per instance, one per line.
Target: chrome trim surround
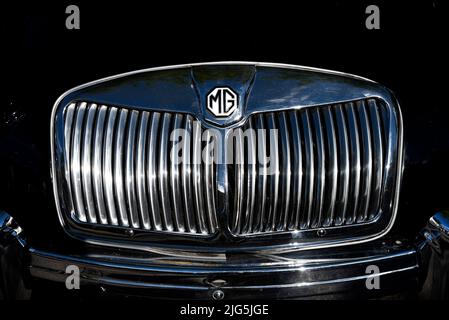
(366, 154)
(249, 275)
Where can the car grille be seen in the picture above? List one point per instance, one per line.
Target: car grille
(119, 171)
(328, 168)
(332, 166)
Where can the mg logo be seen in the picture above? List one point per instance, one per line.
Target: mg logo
(222, 101)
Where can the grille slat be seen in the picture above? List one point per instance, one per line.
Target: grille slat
(297, 171)
(309, 172)
(130, 178)
(378, 154)
(141, 171)
(187, 177)
(317, 212)
(209, 185)
(332, 169)
(98, 166)
(251, 170)
(239, 164)
(130, 182)
(152, 172)
(174, 178)
(355, 164)
(328, 168)
(274, 177)
(343, 166)
(118, 168)
(163, 172)
(285, 172)
(69, 115)
(367, 166)
(108, 181)
(197, 179)
(261, 175)
(86, 171)
(76, 163)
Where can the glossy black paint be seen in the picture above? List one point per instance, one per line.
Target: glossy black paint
(43, 60)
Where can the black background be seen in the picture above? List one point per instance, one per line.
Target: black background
(41, 59)
(127, 35)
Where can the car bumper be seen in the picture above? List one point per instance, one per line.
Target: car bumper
(373, 270)
(271, 277)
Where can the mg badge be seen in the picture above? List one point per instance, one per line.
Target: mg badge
(222, 101)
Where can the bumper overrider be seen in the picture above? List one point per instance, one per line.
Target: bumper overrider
(377, 269)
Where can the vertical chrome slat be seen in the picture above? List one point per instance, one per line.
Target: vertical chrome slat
(97, 169)
(297, 171)
(118, 168)
(187, 176)
(262, 174)
(196, 177)
(76, 163)
(309, 171)
(208, 182)
(274, 176)
(285, 172)
(320, 170)
(343, 158)
(367, 162)
(86, 164)
(376, 126)
(153, 145)
(251, 168)
(332, 173)
(130, 184)
(108, 180)
(390, 122)
(239, 165)
(355, 163)
(68, 129)
(140, 172)
(175, 176)
(163, 174)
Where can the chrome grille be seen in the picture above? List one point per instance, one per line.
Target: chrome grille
(337, 160)
(332, 165)
(118, 171)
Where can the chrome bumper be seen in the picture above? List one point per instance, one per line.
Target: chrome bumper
(236, 276)
(421, 267)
